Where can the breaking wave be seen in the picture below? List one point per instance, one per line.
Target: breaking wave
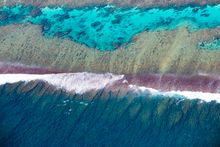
(35, 113)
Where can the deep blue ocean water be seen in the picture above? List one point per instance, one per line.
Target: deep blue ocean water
(108, 27)
(34, 115)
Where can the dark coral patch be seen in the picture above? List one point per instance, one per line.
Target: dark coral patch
(95, 24)
(116, 21)
(3, 15)
(46, 24)
(35, 12)
(62, 33)
(205, 15)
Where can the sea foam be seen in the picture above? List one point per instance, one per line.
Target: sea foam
(78, 82)
(85, 82)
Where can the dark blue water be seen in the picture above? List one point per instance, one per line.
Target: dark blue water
(108, 27)
(35, 115)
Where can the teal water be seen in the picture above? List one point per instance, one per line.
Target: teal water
(108, 27)
(210, 45)
(35, 115)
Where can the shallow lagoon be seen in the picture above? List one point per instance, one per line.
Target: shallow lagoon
(108, 27)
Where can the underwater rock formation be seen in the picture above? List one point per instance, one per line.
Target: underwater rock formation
(151, 52)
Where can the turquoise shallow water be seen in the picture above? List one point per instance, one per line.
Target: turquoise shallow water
(109, 27)
(210, 45)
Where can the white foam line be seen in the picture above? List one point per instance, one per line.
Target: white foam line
(84, 82)
(78, 82)
(204, 96)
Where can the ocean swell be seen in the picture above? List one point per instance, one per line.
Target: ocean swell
(85, 82)
(39, 114)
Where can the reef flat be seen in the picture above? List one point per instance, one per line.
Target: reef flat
(19, 68)
(173, 51)
(164, 44)
(109, 73)
(109, 27)
(124, 3)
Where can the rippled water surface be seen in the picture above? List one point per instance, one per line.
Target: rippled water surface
(35, 115)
